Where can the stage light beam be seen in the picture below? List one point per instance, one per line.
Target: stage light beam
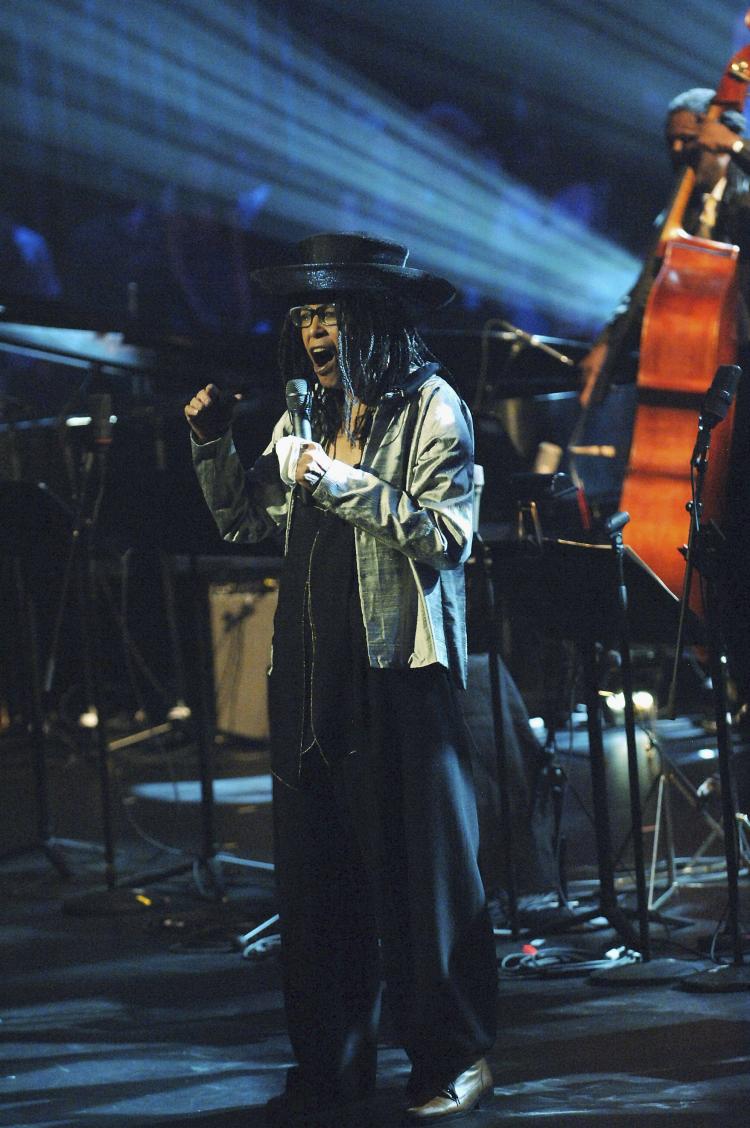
(211, 101)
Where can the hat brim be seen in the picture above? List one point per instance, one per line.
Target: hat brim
(418, 289)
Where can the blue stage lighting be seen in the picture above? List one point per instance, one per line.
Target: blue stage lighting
(216, 103)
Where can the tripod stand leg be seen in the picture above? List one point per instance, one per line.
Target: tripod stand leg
(671, 866)
(663, 812)
(249, 940)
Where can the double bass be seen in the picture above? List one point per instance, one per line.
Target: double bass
(689, 329)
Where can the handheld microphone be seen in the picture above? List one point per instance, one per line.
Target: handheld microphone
(299, 405)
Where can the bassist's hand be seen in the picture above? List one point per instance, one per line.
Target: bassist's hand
(591, 366)
(716, 137)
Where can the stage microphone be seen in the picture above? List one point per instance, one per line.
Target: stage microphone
(299, 405)
(715, 408)
(718, 398)
(523, 338)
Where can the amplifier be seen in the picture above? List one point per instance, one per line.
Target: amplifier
(241, 616)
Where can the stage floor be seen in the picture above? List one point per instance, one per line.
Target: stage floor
(125, 1011)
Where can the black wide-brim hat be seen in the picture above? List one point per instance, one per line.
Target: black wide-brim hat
(343, 263)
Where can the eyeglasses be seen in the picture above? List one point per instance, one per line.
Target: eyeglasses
(302, 316)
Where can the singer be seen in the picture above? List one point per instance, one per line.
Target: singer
(375, 816)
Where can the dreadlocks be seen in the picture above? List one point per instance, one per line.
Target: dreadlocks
(378, 347)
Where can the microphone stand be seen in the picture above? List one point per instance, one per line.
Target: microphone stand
(698, 468)
(80, 572)
(613, 527)
(705, 555)
(521, 338)
(715, 407)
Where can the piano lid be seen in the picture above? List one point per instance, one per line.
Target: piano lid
(74, 344)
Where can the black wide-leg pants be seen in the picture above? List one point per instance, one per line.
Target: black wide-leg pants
(376, 863)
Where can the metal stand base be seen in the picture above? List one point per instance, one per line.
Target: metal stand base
(50, 851)
(725, 977)
(652, 973)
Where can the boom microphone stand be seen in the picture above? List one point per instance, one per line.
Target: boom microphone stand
(79, 570)
(706, 555)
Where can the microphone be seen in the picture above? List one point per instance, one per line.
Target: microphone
(718, 398)
(299, 405)
(616, 522)
(523, 338)
(715, 408)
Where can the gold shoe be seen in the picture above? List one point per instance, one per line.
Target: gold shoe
(461, 1096)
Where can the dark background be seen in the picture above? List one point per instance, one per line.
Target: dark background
(155, 152)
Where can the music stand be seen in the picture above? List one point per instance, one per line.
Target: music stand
(595, 594)
(40, 524)
(122, 893)
(33, 519)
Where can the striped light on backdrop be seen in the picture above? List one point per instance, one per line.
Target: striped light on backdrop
(232, 110)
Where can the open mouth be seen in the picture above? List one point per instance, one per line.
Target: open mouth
(322, 356)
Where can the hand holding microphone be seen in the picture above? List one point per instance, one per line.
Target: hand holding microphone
(300, 459)
(311, 465)
(301, 463)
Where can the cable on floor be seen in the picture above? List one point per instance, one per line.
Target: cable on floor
(556, 962)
